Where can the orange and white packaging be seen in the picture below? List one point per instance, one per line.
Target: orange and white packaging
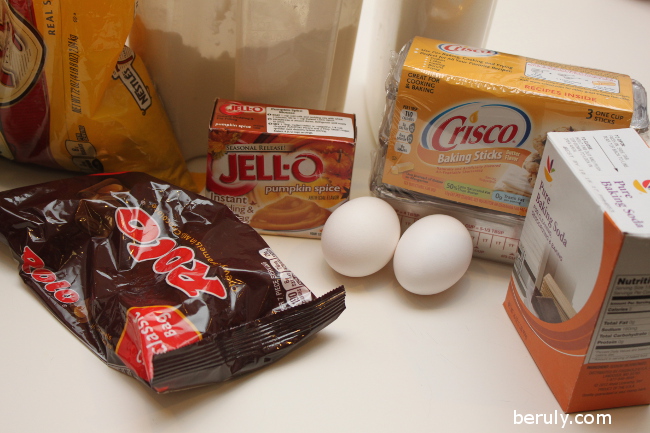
(281, 170)
(465, 128)
(579, 294)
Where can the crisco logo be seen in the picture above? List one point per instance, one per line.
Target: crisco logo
(477, 123)
(234, 109)
(465, 51)
(22, 55)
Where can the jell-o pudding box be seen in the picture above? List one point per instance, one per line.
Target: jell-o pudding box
(282, 170)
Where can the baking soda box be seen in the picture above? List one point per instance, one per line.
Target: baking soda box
(281, 170)
(579, 294)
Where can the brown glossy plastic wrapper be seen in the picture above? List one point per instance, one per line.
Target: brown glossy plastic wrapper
(159, 282)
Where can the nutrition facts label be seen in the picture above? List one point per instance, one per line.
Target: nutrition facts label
(624, 331)
(405, 130)
(301, 122)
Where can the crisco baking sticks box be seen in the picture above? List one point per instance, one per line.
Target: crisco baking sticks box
(579, 294)
(469, 125)
(282, 170)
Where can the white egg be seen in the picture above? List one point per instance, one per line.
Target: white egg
(359, 237)
(432, 255)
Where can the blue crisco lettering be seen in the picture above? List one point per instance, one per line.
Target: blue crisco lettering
(477, 123)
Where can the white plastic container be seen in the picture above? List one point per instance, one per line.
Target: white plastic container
(394, 23)
(285, 52)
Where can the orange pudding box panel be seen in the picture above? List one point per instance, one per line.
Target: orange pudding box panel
(282, 170)
(579, 294)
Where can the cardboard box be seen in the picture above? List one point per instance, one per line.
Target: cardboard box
(470, 123)
(464, 129)
(579, 294)
(282, 170)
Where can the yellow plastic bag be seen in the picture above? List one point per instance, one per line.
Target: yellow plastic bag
(73, 96)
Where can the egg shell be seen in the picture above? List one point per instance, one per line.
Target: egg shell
(359, 237)
(432, 255)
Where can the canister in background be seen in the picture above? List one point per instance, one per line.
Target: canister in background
(290, 52)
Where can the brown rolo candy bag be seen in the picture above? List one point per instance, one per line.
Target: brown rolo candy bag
(160, 283)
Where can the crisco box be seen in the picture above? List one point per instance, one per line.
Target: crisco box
(464, 129)
(282, 170)
(579, 294)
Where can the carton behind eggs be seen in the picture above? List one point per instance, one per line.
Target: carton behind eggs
(464, 129)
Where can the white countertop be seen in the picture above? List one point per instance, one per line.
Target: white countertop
(392, 362)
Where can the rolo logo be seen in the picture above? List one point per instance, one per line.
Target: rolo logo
(477, 123)
(465, 51)
(60, 288)
(22, 55)
(178, 264)
(234, 109)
